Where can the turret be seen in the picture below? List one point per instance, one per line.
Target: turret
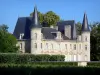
(35, 19)
(35, 31)
(85, 29)
(86, 38)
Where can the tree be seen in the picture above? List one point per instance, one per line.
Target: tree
(49, 18)
(41, 16)
(7, 40)
(78, 28)
(95, 41)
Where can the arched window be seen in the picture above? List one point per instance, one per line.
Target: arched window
(85, 38)
(74, 46)
(85, 47)
(35, 45)
(35, 35)
(41, 45)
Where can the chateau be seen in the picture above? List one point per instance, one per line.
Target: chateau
(61, 40)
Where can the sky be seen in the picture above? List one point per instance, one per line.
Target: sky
(10, 10)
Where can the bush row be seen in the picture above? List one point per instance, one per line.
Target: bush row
(28, 58)
(31, 70)
(93, 63)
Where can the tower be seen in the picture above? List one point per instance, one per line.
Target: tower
(86, 39)
(35, 31)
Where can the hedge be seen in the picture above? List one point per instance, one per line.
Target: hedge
(93, 63)
(18, 69)
(28, 58)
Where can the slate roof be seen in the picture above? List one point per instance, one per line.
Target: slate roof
(85, 26)
(47, 32)
(61, 27)
(23, 26)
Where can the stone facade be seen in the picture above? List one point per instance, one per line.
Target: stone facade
(74, 49)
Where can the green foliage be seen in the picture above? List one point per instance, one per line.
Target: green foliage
(49, 18)
(30, 69)
(78, 28)
(7, 40)
(95, 41)
(28, 58)
(94, 64)
(41, 17)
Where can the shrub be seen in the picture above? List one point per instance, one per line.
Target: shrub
(28, 58)
(93, 63)
(21, 69)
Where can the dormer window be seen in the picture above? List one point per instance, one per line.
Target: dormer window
(21, 36)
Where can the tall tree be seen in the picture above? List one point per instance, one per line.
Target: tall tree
(95, 41)
(7, 40)
(49, 18)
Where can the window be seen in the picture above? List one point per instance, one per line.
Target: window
(74, 57)
(66, 46)
(85, 47)
(85, 57)
(21, 36)
(20, 45)
(35, 35)
(41, 45)
(74, 46)
(35, 45)
(79, 57)
(42, 36)
(52, 46)
(85, 38)
(47, 45)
